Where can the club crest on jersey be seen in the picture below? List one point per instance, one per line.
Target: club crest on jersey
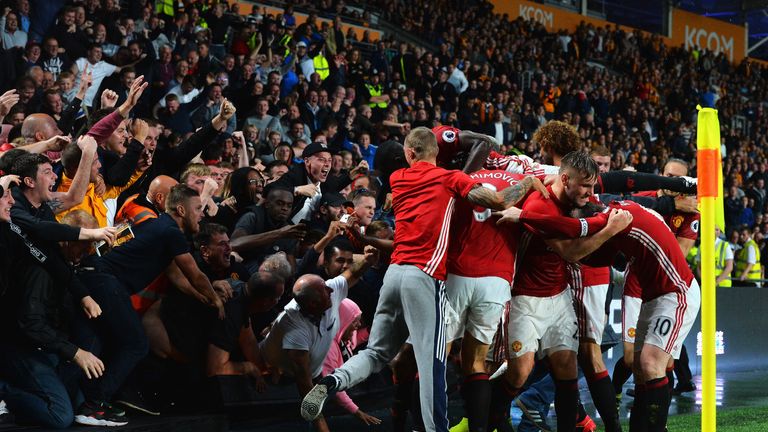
(449, 136)
(517, 346)
(677, 221)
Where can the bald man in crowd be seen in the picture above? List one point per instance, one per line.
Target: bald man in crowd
(140, 208)
(304, 331)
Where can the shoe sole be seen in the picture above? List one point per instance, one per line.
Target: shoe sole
(312, 404)
(528, 415)
(137, 408)
(90, 421)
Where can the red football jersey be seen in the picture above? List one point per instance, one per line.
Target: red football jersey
(541, 272)
(479, 247)
(423, 198)
(593, 276)
(655, 258)
(685, 225)
(448, 143)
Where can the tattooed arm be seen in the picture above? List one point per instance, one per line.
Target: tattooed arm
(63, 201)
(508, 197)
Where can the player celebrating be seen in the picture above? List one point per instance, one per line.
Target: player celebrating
(670, 302)
(412, 299)
(541, 314)
(478, 283)
(685, 227)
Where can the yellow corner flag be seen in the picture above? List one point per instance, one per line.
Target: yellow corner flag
(710, 193)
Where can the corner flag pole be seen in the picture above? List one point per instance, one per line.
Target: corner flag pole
(710, 192)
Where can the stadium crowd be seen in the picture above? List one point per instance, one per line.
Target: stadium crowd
(202, 191)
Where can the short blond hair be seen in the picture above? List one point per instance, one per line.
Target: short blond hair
(423, 142)
(199, 170)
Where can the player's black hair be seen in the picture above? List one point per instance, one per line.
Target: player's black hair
(587, 210)
(341, 244)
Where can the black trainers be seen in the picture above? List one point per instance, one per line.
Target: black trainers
(681, 388)
(312, 404)
(137, 402)
(100, 414)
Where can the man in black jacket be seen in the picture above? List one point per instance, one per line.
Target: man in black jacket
(310, 180)
(34, 312)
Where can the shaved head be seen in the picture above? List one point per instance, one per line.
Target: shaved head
(39, 127)
(306, 288)
(159, 189)
(312, 295)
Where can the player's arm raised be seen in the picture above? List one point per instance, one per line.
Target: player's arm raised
(358, 268)
(479, 147)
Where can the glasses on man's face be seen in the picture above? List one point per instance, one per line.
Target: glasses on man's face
(255, 181)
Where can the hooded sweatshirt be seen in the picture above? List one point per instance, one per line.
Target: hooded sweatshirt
(348, 311)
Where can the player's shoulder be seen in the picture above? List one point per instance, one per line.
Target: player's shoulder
(539, 203)
(446, 134)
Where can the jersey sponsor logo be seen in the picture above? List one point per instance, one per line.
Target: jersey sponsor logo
(517, 346)
(449, 136)
(584, 227)
(677, 221)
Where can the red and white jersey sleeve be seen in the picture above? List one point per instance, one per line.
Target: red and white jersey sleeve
(518, 164)
(423, 198)
(653, 253)
(540, 271)
(479, 247)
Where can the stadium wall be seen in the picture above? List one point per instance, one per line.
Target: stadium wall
(687, 29)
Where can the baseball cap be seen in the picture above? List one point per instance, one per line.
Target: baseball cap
(333, 199)
(314, 148)
(301, 44)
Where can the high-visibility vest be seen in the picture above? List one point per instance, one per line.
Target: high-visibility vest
(134, 213)
(164, 7)
(284, 41)
(321, 66)
(740, 263)
(720, 263)
(376, 91)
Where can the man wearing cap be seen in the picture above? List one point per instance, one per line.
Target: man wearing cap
(330, 209)
(305, 62)
(308, 180)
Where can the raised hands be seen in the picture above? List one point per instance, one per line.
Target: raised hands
(134, 94)
(7, 101)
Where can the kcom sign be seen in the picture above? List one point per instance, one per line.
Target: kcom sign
(534, 13)
(709, 40)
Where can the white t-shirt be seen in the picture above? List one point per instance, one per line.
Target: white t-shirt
(98, 72)
(293, 330)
